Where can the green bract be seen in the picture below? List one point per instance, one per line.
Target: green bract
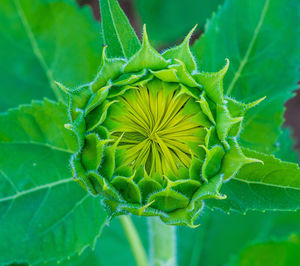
(155, 136)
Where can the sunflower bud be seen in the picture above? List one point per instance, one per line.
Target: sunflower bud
(156, 137)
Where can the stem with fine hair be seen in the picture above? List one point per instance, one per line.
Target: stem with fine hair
(134, 240)
(162, 239)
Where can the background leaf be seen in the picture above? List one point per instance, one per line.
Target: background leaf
(169, 20)
(39, 123)
(274, 185)
(262, 42)
(42, 41)
(198, 246)
(44, 214)
(286, 144)
(119, 36)
(112, 247)
(228, 235)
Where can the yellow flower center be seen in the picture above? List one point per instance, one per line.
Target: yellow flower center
(158, 126)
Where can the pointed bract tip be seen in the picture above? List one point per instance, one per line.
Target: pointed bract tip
(104, 52)
(141, 210)
(223, 71)
(119, 139)
(133, 175)
(220, 196)
(150, 203)
(225, 68)
(261, 99)
(207, 130)
(104, 184)
(62, 87)
(169, 183)
(193, 29)
(145, 173)
(193, 225)
(253, 104)
(188, 37)
(204, 148)
(68, 126)
(181, 92)
(105, 87)
(145, 35)
(253, 160)
(179, 61)
(237, 119)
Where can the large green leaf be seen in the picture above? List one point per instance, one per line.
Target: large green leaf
(261, 39)
(39, 123)
(198, 246)
(112, 247)
(228, 235)
(44, 214)
(273, 185)
(42, 41)
(119, 36)
(167, 21)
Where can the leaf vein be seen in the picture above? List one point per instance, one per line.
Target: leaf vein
(264, 184)
(63, 218)
(36, 50)
(48, 145)
(245, 59)
(12, 184)
(117, 33)
(28, 191)
(42, 202)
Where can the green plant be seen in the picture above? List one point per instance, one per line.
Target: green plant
(153, 133)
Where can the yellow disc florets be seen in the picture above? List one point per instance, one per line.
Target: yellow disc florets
(156, 128)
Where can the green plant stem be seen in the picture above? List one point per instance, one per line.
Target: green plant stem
(134, 240)
(162, 239)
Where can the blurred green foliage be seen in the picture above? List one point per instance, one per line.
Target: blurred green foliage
(232, 237)
(169, 20)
